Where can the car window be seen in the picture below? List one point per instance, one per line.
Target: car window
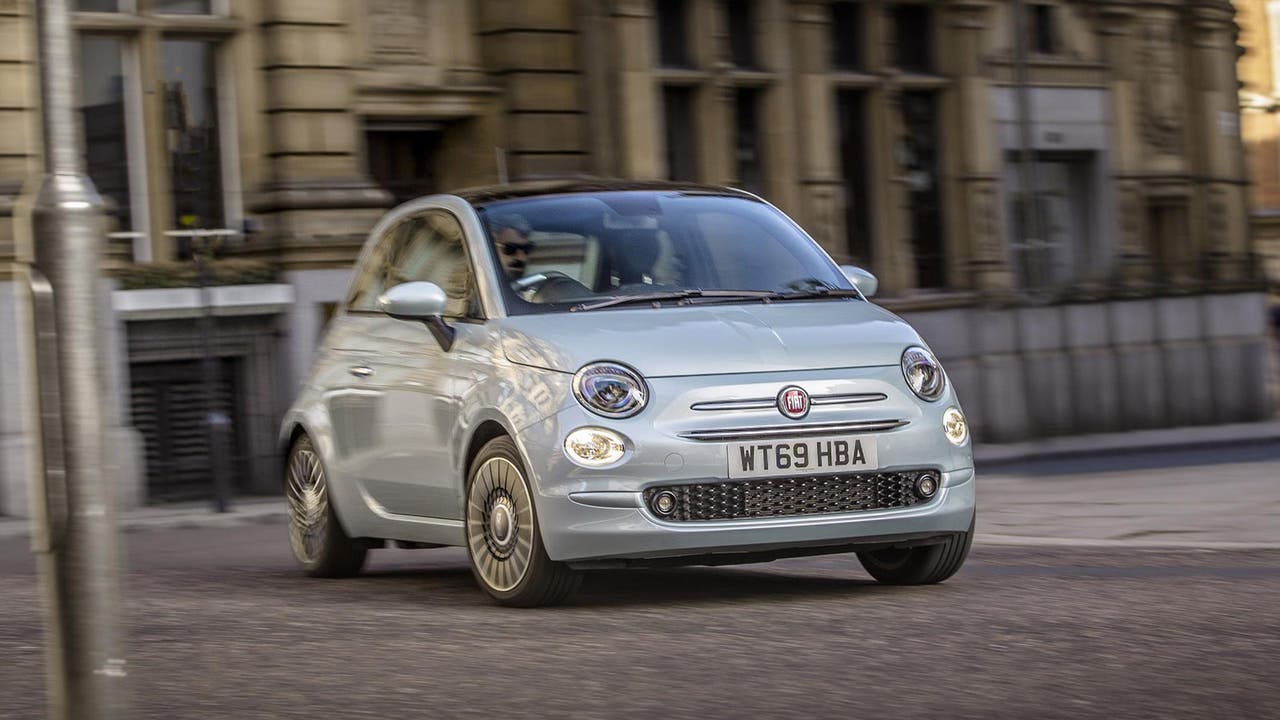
(430, 248)
(555, 252)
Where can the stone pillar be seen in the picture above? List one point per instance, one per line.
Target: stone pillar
(316, 194)
(19, 120)
(639, 148)
(891, 241)
(533, 46)
(1118, 27)
(1219, 158)
(715, 100)
(978, 240)
(823, 195)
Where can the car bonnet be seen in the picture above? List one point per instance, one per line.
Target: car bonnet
(712, 339)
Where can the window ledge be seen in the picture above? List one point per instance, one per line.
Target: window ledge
(226, 300)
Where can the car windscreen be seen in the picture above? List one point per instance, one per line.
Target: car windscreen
(562, 252)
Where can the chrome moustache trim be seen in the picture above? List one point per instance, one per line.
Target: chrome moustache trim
(765, 403)
(781, 431)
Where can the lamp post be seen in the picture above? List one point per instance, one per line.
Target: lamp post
(74, 534)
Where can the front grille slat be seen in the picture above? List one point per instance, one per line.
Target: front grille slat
(787, 496)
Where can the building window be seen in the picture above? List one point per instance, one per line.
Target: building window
(402, 159)
(851, 106)
(673, 33)
(748, 157)
(182, 7)
(102, 106)
(195, 186)
(96, 5)
(740, 22)
(913, 38)
(920, 160)
(680, 127)
(846, 36)
(1042, 29)
(191, 125)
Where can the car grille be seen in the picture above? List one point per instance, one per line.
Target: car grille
(775, 497)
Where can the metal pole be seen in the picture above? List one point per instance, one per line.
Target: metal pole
(81, 556)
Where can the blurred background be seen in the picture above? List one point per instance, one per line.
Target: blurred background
(1076, 203)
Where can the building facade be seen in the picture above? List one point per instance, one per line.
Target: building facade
(1054, 192)
(1259, 22)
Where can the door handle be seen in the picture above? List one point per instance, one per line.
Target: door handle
(360, 371)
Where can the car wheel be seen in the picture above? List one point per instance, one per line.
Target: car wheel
(919, 565)
(318, 541)
(504, 542)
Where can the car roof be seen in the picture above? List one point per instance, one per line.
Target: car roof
(534, 188)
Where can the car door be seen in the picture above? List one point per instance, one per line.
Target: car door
(353, 390)
(413, 473)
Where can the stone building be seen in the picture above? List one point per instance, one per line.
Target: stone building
(1259, 22)
(1056, 197)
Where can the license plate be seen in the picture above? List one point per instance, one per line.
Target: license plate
(774, 458)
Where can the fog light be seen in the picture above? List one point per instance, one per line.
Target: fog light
(927, 485)
(954, 425)
(664, 503)
(594, 447)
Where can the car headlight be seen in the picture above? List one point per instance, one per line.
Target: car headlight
(610, 389)
(594, 447)
(955, 427)
(923, 373)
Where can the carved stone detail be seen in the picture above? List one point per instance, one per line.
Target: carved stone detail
(398, 31)
(1162, 89)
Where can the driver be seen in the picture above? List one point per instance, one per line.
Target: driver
(511, 239)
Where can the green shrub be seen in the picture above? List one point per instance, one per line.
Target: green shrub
(140, 276)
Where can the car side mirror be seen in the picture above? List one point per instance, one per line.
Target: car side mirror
(422, 301)
(866, 283)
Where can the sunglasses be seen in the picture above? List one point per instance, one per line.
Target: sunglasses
(513, 248)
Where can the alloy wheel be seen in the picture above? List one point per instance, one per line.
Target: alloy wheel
(308, 497)
(500, 524)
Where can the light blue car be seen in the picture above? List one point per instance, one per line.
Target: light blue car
(569, 375)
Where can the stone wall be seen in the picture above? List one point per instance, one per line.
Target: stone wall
(1084, 368)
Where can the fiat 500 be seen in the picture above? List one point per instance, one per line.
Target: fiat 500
(567, 376)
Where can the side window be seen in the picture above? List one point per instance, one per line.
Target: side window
(428, 247)
(431, 248)
(372, 279)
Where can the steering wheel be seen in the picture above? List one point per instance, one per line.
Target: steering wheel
(537, 280)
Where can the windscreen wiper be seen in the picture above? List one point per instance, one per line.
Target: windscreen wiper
(821, 292)
(676, 295)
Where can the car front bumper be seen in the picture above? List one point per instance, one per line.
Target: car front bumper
(616, 525)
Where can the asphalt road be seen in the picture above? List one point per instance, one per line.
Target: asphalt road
(221, 626)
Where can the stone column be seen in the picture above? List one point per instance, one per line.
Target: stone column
(978, 240)
(19, 161)
(891, 241)
(1118, 27)
(823, 195)
(716, 98)
(639, 152)
(316, 195)
(533, 45)
(1219, 157)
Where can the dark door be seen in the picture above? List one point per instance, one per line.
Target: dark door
(171, 411)
(403, 161)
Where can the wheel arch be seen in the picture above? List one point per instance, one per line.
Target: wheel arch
(485, 431)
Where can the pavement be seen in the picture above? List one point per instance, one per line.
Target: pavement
(1214, 487)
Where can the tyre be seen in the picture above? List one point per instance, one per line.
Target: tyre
(504, 542)
(919, 565)
(318, 541)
